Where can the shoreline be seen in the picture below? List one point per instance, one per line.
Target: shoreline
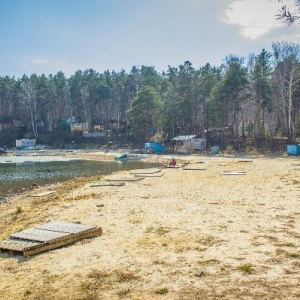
(26, 158)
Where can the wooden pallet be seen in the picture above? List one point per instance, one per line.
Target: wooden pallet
(48, 236)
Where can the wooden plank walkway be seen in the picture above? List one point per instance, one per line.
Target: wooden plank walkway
(149, 175)
(125, 178)
(43, 194)
(145, 171)
(233, 173)
(107, 184)
(194, 168)
(48, 236)
(174, 167)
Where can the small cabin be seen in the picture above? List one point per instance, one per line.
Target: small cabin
(80, 127)
(188, 143)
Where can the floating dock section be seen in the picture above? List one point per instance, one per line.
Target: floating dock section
(47, 236)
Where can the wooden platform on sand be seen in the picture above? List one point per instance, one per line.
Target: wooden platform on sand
(149, 175)
(46, 193)
(125, 178)
(233, 173)
(174, 167)
(107, 184)
(191, 168)
(146, 171)
(47, 236)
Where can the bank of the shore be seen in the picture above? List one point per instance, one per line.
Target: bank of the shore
(190, 234)
(22, 171)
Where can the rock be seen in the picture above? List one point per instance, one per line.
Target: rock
(199, 273)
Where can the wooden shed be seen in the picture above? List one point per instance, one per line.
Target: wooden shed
(188, 143)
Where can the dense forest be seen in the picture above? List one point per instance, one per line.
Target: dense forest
(257, 97)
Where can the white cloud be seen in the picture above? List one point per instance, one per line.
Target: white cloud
(39, 61)
(255, 18)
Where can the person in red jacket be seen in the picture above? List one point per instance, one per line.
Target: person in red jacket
(172, 162)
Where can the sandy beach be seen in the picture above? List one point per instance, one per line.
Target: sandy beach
(218, 228)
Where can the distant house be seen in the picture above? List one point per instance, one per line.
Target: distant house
(188, 143)
(94, 134)
(25, 144)
(80, 127)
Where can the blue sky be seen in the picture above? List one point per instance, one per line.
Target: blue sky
(47, 36)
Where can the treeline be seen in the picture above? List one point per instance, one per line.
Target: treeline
(256, 97)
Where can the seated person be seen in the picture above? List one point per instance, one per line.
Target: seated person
(172, 162)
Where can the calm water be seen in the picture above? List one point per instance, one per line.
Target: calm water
(16, 177)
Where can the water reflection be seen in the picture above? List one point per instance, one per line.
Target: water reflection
(19, 176)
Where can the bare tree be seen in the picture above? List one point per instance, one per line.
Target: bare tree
(286, 82)
(29, 97)
(287, 16)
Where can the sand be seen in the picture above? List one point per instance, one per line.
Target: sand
(189, 234)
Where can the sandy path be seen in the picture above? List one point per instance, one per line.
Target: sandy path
(190, 234)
